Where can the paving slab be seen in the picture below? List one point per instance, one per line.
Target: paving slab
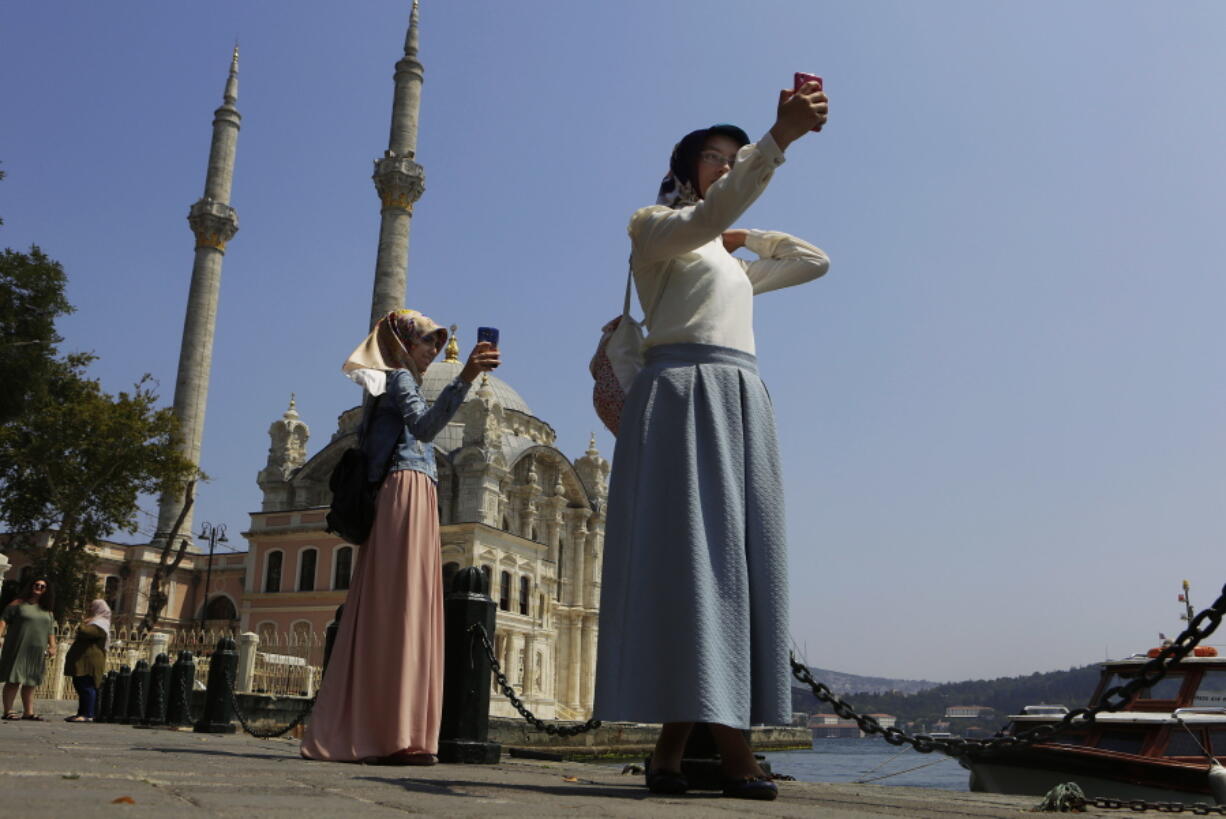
(59, 769)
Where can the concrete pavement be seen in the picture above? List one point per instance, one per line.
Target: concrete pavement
(63, 769)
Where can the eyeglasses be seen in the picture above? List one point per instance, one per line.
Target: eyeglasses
(717, 159)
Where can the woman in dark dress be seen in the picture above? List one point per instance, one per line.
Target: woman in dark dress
(28, 629)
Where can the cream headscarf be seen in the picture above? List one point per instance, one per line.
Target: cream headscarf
(387, 348)
(100, 616)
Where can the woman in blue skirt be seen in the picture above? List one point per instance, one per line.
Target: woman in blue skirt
(693, 613)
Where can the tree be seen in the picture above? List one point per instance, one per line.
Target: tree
(168, 562)
(75, 463)
(31, 298)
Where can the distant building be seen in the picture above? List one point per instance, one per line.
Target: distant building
(831, 726)
(968, 712)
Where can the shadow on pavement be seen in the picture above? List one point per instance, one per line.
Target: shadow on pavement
(219, 752)
(634, 792)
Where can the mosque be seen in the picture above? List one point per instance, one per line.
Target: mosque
(510, 501)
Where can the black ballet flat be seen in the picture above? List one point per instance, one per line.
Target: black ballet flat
(664, 782)
(751, 787)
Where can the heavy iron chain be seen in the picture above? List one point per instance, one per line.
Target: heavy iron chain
(1142, 805)
(1069, 797)
(137, 697)
(509, 692)
(1113, 699)
(186, 683)
(273, 734)
(157, 697)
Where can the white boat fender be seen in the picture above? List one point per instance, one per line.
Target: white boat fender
(1217, 781)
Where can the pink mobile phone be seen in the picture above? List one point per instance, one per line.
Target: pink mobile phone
(798, 81)
(800, 78)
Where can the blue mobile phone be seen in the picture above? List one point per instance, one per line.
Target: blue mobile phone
(489, 334)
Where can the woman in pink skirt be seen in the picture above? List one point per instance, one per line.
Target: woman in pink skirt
(381, 698)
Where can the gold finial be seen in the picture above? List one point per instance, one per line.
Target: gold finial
(453, 348)
(291, 414)
(591, 447)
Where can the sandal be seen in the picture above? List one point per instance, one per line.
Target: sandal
(664, 782)
(33, 717)
(11, 715)
(751, 787)
(77, 718)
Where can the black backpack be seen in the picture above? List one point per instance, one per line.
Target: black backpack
(353, 495)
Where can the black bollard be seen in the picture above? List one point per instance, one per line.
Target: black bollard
(223, 670)
(182, 679)
(106, 698)
(123, 684)
(138, 692)
(159, 687)
(330, 634)
(700, 761)
(464, 732)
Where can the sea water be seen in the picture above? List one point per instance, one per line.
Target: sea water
(870, 760)
(866, 760)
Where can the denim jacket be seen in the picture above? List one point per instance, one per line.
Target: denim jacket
(404, 426)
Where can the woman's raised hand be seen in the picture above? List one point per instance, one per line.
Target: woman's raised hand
(799, 113)
(482, 359)
(734, 239)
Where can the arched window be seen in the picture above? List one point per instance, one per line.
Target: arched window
(300, 633)
(306, 569)
(344, 566)
(220, 608)
(267, 632)
(110, 592)
(524, 587)
(272, 576)
(449, 573)
(504, 592)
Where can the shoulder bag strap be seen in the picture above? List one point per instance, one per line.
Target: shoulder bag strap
(368, 417)
(648, 312)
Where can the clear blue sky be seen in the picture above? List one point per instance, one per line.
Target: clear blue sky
(1002, 412)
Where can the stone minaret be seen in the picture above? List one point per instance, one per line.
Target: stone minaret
(399, 180)
(214, 222)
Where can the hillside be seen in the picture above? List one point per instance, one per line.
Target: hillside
(1006, 695)
(841, 683)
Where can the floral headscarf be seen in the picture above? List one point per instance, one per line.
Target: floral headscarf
(679, 188)
(387, 348)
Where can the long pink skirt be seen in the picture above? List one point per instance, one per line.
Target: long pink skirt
(383, 690)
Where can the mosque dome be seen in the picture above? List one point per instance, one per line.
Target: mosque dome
(441, 373)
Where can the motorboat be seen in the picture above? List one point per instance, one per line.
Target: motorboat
(1161, 746)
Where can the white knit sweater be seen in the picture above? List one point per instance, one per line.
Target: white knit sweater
(708, 293)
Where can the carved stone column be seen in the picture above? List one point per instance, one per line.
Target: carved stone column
(589, 661)
(574, 696)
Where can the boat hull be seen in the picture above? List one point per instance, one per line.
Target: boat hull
(1036, 771)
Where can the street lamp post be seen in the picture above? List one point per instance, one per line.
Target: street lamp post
(214, 535)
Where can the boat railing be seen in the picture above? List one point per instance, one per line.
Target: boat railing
(1198, 709)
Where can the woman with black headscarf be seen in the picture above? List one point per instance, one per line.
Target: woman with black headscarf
(693, 617)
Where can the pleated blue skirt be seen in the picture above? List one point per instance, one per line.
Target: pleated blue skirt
(694, 601)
